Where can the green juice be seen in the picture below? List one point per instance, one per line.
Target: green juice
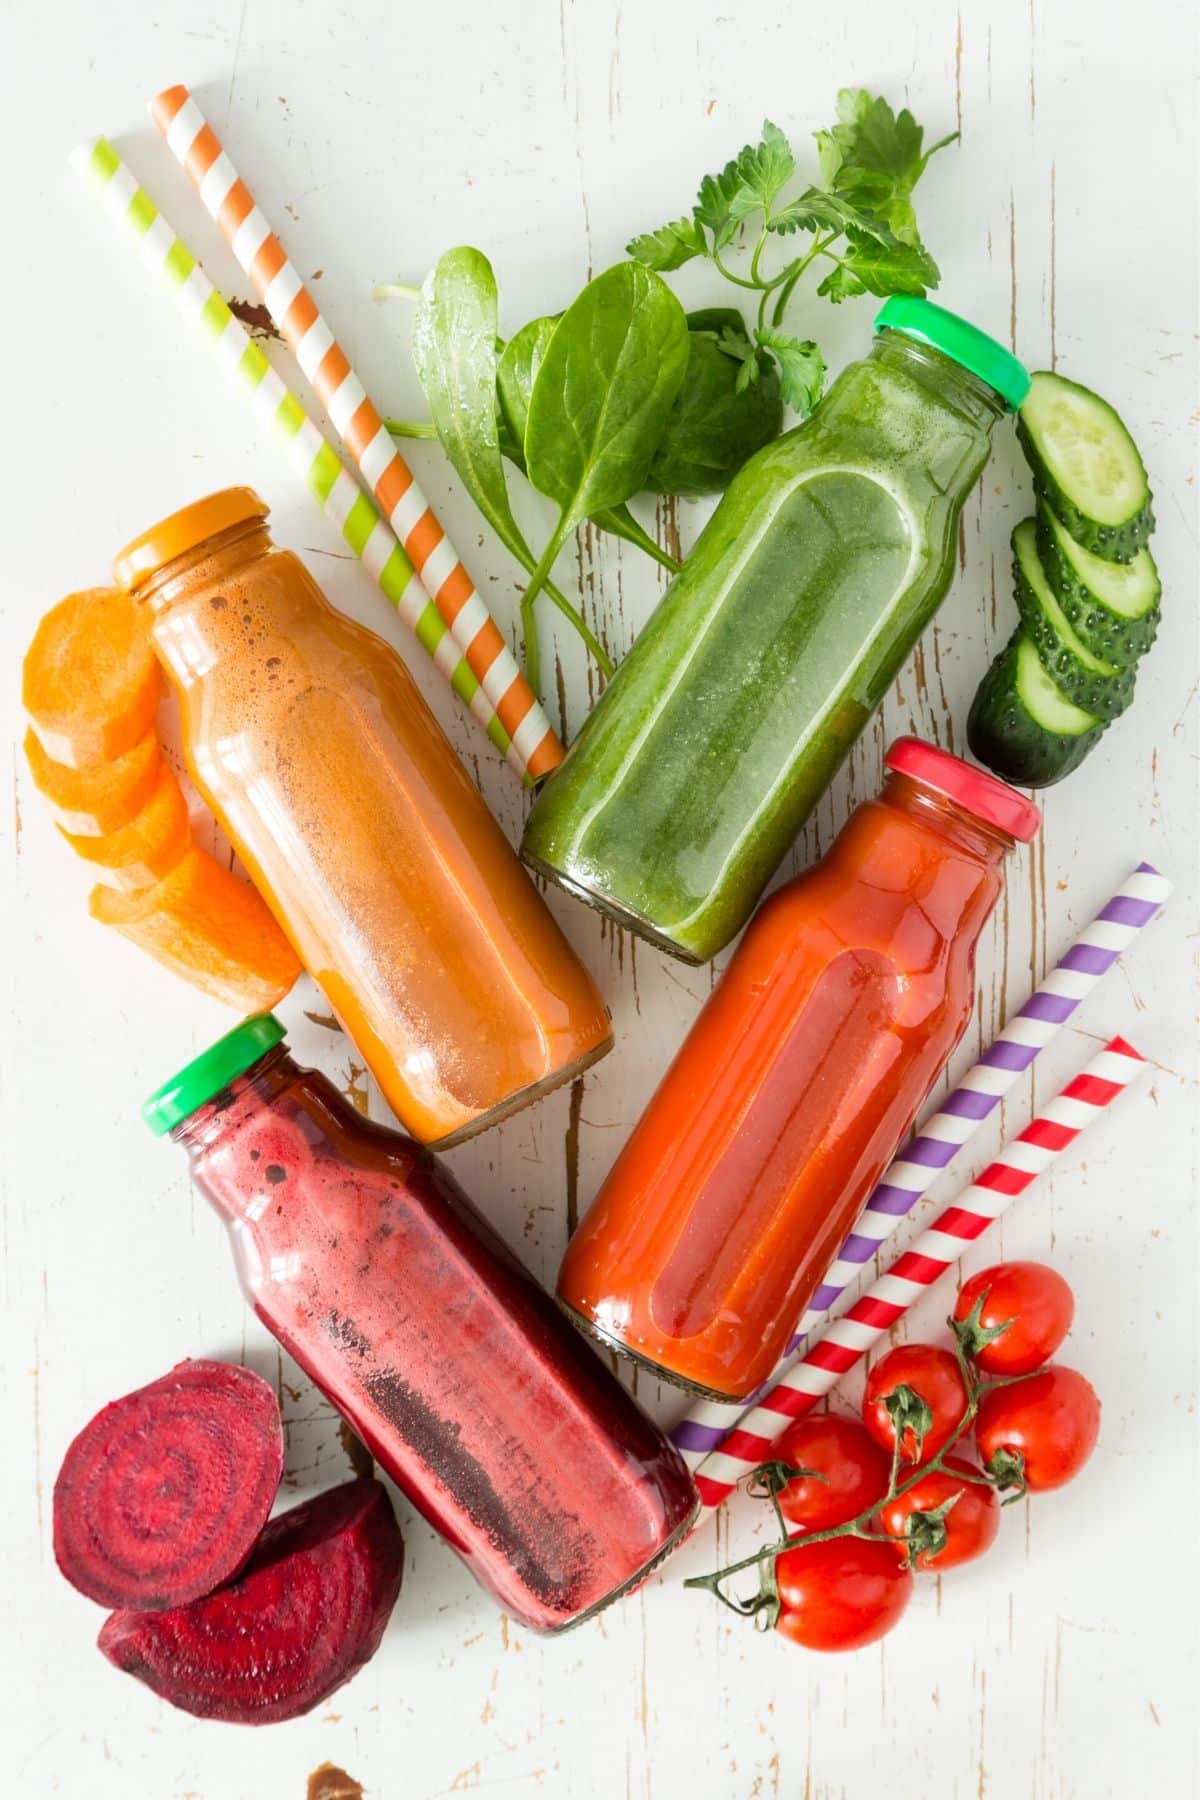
(824, 561)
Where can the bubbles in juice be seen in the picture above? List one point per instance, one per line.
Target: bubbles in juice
(402, 897)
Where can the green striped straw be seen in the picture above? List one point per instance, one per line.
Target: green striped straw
(356, 516)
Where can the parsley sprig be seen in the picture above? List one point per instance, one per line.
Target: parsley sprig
(859, 221)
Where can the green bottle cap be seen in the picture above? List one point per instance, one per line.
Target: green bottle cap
(214, 1069)
(959, 339)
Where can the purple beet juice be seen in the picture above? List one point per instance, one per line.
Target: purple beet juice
(481, 1402)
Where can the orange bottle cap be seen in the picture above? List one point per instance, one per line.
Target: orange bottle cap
(181, 531)
(989, 799)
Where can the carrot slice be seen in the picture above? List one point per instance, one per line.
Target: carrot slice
(207, 926)
(101, 798)
(91, 684)
(149, 847)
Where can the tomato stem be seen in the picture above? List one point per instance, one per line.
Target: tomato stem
(897, 1437)
(770, 1478)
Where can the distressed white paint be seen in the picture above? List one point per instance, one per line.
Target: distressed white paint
(547, 131)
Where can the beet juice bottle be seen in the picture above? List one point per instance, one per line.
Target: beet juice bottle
(472, 1391)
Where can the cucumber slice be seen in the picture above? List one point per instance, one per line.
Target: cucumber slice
(1097, 686)
(1022, 726)
(1113, 607)
(1087, 466)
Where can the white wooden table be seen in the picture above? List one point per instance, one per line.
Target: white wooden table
(548, 131)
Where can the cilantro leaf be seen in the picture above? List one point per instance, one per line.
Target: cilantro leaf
(816, 210)
(880, 268)
(860, 221)
(834, 145)
(875, 157)
(714, 206)
(840, 285)
(734, 343)
(766, 168)
(749, 184)
(670, 246)
(801, 367)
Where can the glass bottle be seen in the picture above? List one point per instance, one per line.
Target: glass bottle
(359, 1251)
(310, 741)
(797, 1083)
(823, 563)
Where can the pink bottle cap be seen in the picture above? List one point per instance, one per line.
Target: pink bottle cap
(991, 800)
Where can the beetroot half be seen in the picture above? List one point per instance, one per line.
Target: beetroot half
(162, 1497)
(305, 1615)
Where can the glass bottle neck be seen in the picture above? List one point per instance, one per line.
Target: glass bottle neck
(256, 1087)
(953, 384)
(196, 621)
(965, 830)
(214, 560)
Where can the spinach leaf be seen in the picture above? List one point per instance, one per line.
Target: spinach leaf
(519, 364)
(716, 424)
(718, 320)
(604, 390)
(518, 367)
(599, 404)
(454, 347)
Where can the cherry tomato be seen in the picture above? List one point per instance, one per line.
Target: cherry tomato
(931, 1373)
(842, 1593)
(854, 1468)
(1044, 1428)
(1039, 1304)
(971, 1523)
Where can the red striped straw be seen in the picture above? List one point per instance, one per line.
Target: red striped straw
(505, 692)
(842, 1344)
(961, 1114)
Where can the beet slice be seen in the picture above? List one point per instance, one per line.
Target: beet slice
(304, 1616)
(162, 1497)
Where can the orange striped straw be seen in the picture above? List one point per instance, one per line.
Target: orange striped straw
(295, 313)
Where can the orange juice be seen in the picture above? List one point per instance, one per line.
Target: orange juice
(310, 741)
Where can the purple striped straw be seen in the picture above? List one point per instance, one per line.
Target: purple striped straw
(940, 1139)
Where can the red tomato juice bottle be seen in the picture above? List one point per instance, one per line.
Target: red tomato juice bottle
(359, 1251)
(797, 1082)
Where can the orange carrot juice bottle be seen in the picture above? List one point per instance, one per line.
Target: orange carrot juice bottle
(310, 741)
(797, 1082)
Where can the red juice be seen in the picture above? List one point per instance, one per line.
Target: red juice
(362, 1255)
(790, 1094)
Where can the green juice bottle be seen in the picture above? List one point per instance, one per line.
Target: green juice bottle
(823, 563)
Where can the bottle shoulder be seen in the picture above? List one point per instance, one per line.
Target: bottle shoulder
(888, 876)
(880, 417)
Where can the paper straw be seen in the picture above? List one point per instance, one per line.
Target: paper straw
(923, 1157)
(295, 313)
(356, 516)
(842, 1344)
